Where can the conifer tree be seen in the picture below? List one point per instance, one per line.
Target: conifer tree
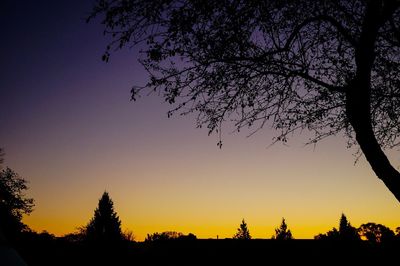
(346, 230)
(243, 232)
(282, 232)
(105, 226)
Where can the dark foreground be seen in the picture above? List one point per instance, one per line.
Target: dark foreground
(211, 252)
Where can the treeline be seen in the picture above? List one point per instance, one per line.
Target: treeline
(370, 232)
(102, 242)
(105, 225)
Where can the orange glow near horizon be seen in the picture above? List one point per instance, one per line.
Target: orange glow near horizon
(212, 190)
(69, 128)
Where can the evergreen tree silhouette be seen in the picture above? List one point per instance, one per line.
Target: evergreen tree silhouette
(346, 230)
(282, 232)
(243, 232)
(105, 225)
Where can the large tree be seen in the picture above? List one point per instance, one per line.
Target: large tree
(13, 204)
(329, 66)
(105, 226)
(346, 230)
(376, 233)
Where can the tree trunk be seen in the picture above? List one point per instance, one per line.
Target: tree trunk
(358, 98)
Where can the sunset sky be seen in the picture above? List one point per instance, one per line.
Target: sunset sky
(68, 127)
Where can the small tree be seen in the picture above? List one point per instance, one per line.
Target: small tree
(282, 232)
(13, 203)
(243, 232)
(105, 225)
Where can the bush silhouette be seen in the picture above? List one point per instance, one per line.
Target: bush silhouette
(169, 235)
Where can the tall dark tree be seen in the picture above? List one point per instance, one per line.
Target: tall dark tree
(282, 232)
(105, 225)
(242, 232)
(327, 66)
(376, 233)
(13, 204)
(346, 230)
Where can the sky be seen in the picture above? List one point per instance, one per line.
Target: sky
(68, 127)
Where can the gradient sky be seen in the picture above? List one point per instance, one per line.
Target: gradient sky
(67, 126)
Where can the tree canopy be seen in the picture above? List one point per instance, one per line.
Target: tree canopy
(346, 232)
(331, 67)
(13, 203)
(376, 233)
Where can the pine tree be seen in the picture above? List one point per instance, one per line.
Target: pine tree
(243, 232)
(105, 225)
(282, 232)
(344, 224)
(346, 230)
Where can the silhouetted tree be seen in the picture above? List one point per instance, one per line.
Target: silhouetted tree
(242, 232)
(105, 225)
(13, 203)
(282, 232)
(376, 233)
(327, 66)
(398, 232)
(346, 230)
